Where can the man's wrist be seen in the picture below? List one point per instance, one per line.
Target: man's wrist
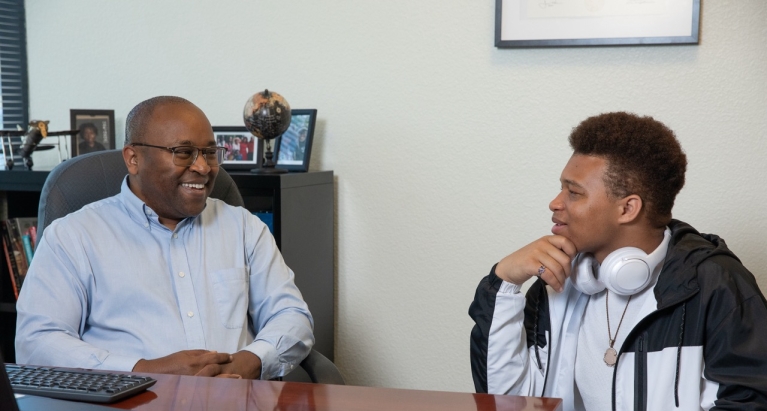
(248, 361)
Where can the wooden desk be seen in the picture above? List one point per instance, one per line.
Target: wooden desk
(172, 392)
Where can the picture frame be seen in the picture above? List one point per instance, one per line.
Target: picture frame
(243, 147)
(97, 131)
(293, 149)
(562, 23)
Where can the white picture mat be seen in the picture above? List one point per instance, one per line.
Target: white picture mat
(518, 24)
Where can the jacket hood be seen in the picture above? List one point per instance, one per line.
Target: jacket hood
(688, 248)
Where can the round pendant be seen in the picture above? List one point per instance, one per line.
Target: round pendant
(610, 357)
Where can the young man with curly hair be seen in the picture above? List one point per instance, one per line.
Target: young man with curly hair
(631, 310)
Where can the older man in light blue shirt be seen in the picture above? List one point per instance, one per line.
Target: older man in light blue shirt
(161, 278)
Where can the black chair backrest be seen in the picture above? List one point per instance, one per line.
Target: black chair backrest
(95, 176)
(321, 370)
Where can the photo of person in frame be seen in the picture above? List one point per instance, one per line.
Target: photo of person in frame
(293, 145)
(239, 147)
(298, 153)
(89, 134)
(96, 131)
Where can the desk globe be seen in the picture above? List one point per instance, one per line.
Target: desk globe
(267, 116)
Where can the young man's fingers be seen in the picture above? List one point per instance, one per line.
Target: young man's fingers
(561, 257)
(564, 244)
(551, 272)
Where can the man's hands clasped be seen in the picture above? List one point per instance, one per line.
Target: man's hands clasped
(243, 364)
(553, 252)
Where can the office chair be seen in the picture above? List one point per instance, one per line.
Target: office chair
(95, 176)
(316, 368)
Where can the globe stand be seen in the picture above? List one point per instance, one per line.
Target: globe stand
(269, 166)
(267, 116)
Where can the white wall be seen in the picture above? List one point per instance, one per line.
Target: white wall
(446, 149)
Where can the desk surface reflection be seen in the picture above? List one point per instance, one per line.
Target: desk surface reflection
(173, 392)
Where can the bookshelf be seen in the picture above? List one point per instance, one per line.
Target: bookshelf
(19, 197)
(301, 206)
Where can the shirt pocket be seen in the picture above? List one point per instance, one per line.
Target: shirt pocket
(231, 296)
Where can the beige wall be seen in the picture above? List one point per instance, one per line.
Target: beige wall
(446, 149)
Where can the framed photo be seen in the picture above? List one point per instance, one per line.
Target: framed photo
(563, 23)
(241, 147)
(294, 146)
(97, 130)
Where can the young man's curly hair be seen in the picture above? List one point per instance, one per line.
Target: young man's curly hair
(643, 157)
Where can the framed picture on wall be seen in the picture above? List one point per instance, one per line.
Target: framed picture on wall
(294, 147)
(241, 147)
(97, 130)
(558, 23)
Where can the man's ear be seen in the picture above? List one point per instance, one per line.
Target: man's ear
(131, 159)
(630, 208)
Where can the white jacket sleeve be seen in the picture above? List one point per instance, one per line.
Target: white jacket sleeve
(510, 368)
(501, 361)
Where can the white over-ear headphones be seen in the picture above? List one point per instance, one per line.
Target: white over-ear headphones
(625, 271)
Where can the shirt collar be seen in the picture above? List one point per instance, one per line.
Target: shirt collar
(137, 209)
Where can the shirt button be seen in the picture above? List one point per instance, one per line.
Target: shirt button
(181, 274)
(175, 235)
(190, 314)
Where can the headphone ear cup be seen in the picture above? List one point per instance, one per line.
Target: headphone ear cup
(582, 275)
(625, 271)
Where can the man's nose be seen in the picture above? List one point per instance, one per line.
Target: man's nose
(556, 203)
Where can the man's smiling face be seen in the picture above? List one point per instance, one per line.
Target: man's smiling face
(173, 192)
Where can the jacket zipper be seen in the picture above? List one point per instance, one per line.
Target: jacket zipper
(640, 375)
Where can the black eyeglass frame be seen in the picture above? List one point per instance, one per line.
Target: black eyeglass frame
(197, 151)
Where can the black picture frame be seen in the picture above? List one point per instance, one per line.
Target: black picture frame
(236, 159)
(680, 24)
(289, 152)
(103, 125)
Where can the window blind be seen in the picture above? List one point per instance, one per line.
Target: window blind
(14, 91)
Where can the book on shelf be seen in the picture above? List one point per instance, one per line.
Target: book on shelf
(29, 252)
(267, 217)
(10, 259)
(19, 235)
(26, 228)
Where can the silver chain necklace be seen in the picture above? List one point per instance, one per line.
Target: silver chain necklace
(611, 356)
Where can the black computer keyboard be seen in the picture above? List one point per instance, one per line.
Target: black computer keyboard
(77, 385)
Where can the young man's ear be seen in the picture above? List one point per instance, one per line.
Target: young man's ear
(131, 159)
(631, 208)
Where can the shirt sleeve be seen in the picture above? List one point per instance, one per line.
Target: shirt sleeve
(279, 314)
(52, 310)
(499, 353)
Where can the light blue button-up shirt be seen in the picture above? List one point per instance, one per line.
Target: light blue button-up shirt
(110, 285)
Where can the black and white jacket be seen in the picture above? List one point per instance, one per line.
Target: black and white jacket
(702, 345)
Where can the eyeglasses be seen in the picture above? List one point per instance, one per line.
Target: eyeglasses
(185, 156)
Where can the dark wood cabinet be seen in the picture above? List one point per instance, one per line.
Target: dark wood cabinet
(303, 213)
(301, 206)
